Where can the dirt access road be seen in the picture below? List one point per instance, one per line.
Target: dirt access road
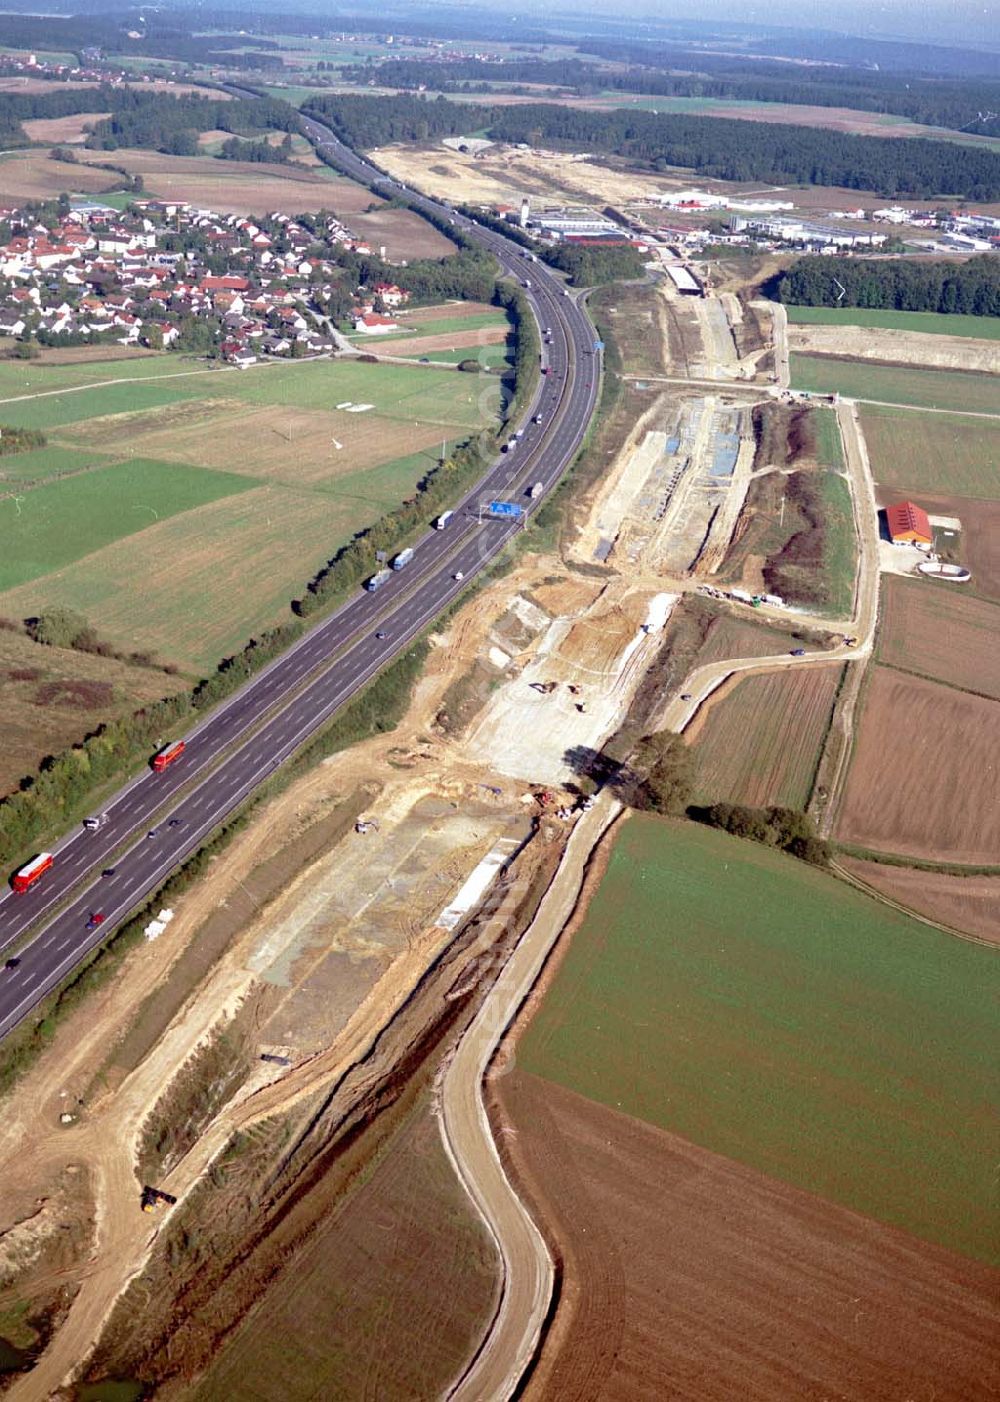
(704, 680)
(528, 1273)
(528, 1277)
(779, 322)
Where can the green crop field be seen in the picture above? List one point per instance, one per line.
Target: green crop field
(986, 328)
(943, 453)
(840, 546)
(768, 1012)
(172, 551)
(195, 587)
(47, 411)
(21, 377)
(496, 353)
(829, 448)
(443, 326)
(890, 384)
(56, 524)
(41, 463)
(397, 391)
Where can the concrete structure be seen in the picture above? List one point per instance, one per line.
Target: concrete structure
(797, 231)
(564, 224)
(683, 279)
(909, 524)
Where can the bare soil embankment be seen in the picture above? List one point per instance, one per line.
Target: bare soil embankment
(896, 347)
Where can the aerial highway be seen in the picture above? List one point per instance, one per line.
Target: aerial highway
(158, 819)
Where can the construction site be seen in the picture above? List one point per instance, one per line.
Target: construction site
(219, 1102)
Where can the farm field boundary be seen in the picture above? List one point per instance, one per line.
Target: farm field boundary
(986, 328)
(927, 788)
(918, 452)
(759, 741)
(964, 905)
(964, 392)
(813, 1033)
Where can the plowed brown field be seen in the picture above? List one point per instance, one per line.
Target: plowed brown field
(449, 340)
(760, 741)
(923, 777)
(686, 1275)
(940, 631)
(969, 903)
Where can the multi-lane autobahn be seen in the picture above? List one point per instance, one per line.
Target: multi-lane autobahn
(157, 820)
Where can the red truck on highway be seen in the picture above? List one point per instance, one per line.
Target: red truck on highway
(167, 755)
(26, 876)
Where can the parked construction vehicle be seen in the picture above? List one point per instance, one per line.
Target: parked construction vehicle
(152, 1198)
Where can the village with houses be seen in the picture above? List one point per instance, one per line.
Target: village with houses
(168, 275)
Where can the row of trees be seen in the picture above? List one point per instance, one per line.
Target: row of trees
(50, 799)
(788, 829)
(931, 102)
(661, 778)
(972, 287)
(714, 147)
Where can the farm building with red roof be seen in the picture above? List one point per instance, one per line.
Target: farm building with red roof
(909, 524)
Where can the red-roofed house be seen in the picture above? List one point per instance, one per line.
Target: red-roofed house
(391, 295)
(224, 284)
(909, 524)
(374, 324)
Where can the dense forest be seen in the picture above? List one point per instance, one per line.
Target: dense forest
(162, 122)
(593, 266)
(896, 284)
(260, 152)
(151, 35)
(714, 147)
(927, 101)
(155, 120)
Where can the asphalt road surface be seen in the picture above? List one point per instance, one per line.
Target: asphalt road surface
(157, 820)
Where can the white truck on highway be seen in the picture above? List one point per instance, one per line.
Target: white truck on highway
(402, 559)
(377, 580)
(443, 520)
(536, 491)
